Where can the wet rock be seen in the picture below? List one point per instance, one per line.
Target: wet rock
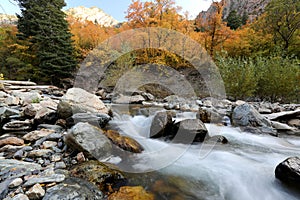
(122, 99)
(161, 124)
(77, 100)
(95, 119)
(37, 134)
(189, 130)
(88, 139)
(286, 115)
(15, 183)
(4, 188)
(124, 142)
(35, 192)
(103, 177)
(17, 126)
(218, 138)
(11, 141)
(73, 188)
(56, 178)
(130, 192)
(282, 127)
(288, 171)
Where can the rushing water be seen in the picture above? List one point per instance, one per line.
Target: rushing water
(243, 169)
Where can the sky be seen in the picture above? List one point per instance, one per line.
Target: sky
(115, 8)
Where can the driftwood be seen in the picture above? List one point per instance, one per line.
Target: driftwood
(19, 83)
(37, 87)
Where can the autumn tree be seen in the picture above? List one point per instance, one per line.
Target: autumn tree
(43, 24)
(282, 19)
(212, 29)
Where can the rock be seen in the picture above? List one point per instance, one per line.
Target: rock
(60, 165)
(17, 126)
(27, 97)
(20, 197)
(209, 115)
(95, 119)
(246, 115)
(218, 138)
(55, 158)
(286, 115)
(288, 171)
(35, 192)
(121, 99)
(189, 130)
(11, 141)
(264, 111)
(30, 110)
(40, 153)
(73, 188)
(282, 127)
(226, 121)
(131, 192)
(294, 123)
(103, 177)
(12, 101)
(161, 124)
(56, 128)
(49, 144)
(77, 100)
(90, 140)
(6, 112)
(125, 143)
(239, 102)
(38, 134)
(15, 183)
(80, 157)
(57, 178)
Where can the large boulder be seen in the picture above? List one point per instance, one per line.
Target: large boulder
(246, 116)
(189, 130)
(90, 140)
(161, 124)
(288, 171)
(77, 100)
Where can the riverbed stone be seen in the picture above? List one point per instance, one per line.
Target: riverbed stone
(104, 177)
(77, 100)
(73, 188)
(35, 192)
(288, 171)
(131, 192)
(161, 124)
(88, 139)
(11, 141)
(15, 183)
(95, 119)
(37, 134)
(56, 178)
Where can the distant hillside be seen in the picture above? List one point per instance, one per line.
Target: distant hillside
(8, 19)
(253, 8)
(92, 14)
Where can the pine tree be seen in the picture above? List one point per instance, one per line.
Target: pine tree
(43, 23)
(234, 21)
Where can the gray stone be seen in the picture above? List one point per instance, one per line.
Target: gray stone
(189, 130)
(55, 178)
(77, 100)
(17, 126)
(94, 119)
(90, 140)
(40, 153)
(27, 97)
(73, 188)
(20, 197)
(283, 115)
(6, 112)
(122, 99)
(35, 135)
(161, 124)
(12, 101)
(294, 123)
(15, 183)
(35, 192)
(288, 171)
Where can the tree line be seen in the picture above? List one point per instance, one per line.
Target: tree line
(46, 46)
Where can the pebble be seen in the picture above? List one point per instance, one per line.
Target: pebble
(20, 197)
(80, 157)
(35, 192)
(60, 165)
(56, 158)
(40, 153)
(49, 144)
(15, 183)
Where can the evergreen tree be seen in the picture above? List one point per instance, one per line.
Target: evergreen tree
(234, 21)
(43, 23)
